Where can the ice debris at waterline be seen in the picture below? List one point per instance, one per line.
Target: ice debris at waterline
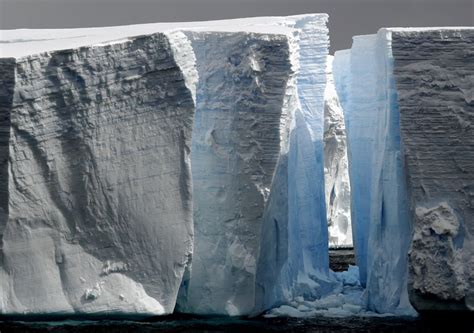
(407, 100)
(182, 166)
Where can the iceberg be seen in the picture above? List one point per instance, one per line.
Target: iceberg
(293, 258)
(242, 116)
(436, 106)
(381, 229)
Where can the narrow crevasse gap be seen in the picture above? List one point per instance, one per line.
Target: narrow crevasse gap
(337, 185)
(359, 115)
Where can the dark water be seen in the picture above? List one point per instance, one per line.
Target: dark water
(190, 324)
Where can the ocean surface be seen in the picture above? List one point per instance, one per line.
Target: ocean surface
(192, 324)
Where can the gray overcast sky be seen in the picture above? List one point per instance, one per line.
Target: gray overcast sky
(347, 17)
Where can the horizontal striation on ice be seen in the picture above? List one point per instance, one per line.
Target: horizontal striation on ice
(241, 118)
(244, 182)
(434, 73)
(95, 189)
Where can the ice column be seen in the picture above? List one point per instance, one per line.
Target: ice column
(294, 250)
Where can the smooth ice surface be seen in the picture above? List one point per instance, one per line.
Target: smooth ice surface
(95, 193)
(18, 43)
(337, 186)
(434, 72)
(359, 105)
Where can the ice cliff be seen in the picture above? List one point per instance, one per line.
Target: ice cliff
(95, 198)
(434, 73)
(406, 95)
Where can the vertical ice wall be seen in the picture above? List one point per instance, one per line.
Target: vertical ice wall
(389, 227)
(341, 74)
(95, 187)
(434, 73)
(293, 257)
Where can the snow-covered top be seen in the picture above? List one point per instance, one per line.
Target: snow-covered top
(18, 43)
(422, 29)
(410, 30)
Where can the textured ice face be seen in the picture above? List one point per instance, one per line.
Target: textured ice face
(241, 118)
(435, 89)
(96, 185)
(248, 107)
(254, 194)
(379, 206)
(293, 259)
